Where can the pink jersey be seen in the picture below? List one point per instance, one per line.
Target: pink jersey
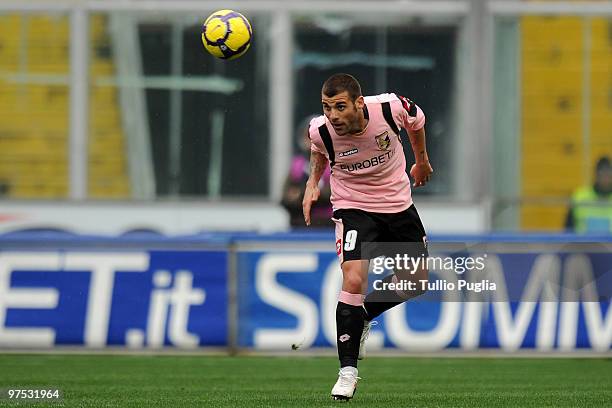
(369, 169)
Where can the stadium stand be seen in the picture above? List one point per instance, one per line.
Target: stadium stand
(34, 56)
(552, 123)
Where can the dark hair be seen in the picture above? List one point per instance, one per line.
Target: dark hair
(338, 83)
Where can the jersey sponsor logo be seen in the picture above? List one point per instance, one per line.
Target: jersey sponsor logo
(371, 162)
(348, 152)
(383, 141)
(338, 246)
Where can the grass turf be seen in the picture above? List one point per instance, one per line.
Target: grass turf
(181, 381)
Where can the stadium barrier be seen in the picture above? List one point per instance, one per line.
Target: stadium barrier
(271, 291)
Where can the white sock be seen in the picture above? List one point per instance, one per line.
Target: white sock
(349, 370)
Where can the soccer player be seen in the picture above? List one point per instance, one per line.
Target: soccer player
(371, 196)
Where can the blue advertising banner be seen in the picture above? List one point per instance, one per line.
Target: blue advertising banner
(134, 298)
(538, 299)
(552, 296)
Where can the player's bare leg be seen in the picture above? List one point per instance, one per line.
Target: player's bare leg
(350, 317)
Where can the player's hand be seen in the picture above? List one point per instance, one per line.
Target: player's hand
(421, 173)
(311, 195)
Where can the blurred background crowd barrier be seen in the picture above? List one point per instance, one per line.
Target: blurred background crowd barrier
(110, 110)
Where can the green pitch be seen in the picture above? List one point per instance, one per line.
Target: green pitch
(171, 381)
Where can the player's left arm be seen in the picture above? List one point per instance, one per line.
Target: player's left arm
(421, 170)
(413, 120)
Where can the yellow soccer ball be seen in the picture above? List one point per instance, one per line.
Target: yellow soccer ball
(227, 34)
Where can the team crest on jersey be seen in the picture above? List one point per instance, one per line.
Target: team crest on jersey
(383, 141)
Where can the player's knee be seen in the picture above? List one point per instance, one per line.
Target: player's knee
(354, 277)
(352, 283)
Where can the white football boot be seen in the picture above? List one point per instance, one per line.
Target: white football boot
(364, 336)
(346, 385)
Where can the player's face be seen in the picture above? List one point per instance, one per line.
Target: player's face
(343, 113)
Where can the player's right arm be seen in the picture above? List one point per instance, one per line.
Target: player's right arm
(318, 163)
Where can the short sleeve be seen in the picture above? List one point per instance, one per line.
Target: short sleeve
(412, 117)
(314, 148)
(313, 134)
